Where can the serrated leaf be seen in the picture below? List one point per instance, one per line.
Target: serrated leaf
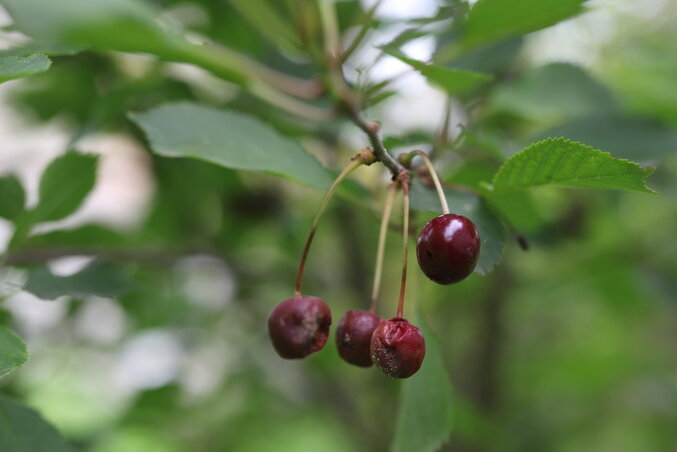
(13, 67)
(99, 278)
(570, 90)
(424, 420)
(24, 430)
(13, 352)
(492, 232)
(623, 136)
(64, 185)
(452, 81)
(491, 20)
(12, 197)
(228, 139)
(560, 162)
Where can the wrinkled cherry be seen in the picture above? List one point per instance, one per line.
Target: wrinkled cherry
(448, 248)
(353, 336)
(397, 347)
(299, 326)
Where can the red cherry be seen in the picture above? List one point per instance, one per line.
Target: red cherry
(448, 248)
(397, 347)
(299, 326)
(353, 336)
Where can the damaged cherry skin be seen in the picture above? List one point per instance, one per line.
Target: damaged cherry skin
(397, 347)
(299, 326)
(353, 336)
(447, 248)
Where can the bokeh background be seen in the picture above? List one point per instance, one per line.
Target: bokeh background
(569, 346)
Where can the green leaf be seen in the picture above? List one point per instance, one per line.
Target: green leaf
(121, 25)
(569, 89)
(24, 430)
(12, 197)
(625, 137)
(228, 139)
(124, 25)
(13, 353)
(453, 81)
(492, 20)
(265, 18)
(424, 419)
(12, 67)
(99, 278)
(492, 232)
(64, 185)
(560, 162)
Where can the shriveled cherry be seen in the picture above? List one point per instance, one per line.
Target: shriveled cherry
(353, 336)
(448, 248)
(397, 347)
(299, 326)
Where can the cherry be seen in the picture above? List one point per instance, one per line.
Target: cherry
(353, 336)
(397, 347)
(447, 248)
(299, 326)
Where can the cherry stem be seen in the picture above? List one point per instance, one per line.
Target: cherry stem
(436, 180)
(364, 157)
(405, 240)
(383, 232)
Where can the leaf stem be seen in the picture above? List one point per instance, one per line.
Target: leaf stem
(365, 157)
(383, 232)
(364, 29)
(404, 180)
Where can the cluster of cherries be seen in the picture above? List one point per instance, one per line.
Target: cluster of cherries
(447, 250)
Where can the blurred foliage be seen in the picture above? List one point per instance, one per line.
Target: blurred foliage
(160, 344)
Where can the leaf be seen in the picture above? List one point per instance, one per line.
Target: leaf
(492, 20)
(12, 67)
(560, 162)
(121, 25)
(13, 353)
(569, 89)
(124, 25)
(47, 48)
(265, 18)
(453, 81)
(24, 430)
(99, 278)
(623, 136)
(64, 185)
(228, 139)
(424, 419)
(12, 197)
(492, 232)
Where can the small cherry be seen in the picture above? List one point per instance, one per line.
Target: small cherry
(299, 326)
(447, 248)
(397, 347)
(353, 336)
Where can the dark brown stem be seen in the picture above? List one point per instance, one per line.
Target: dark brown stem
(371, 129)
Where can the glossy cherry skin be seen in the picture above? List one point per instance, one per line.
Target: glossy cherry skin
(397, 347)
(299, 326)
(353, 336)
(448, 248)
